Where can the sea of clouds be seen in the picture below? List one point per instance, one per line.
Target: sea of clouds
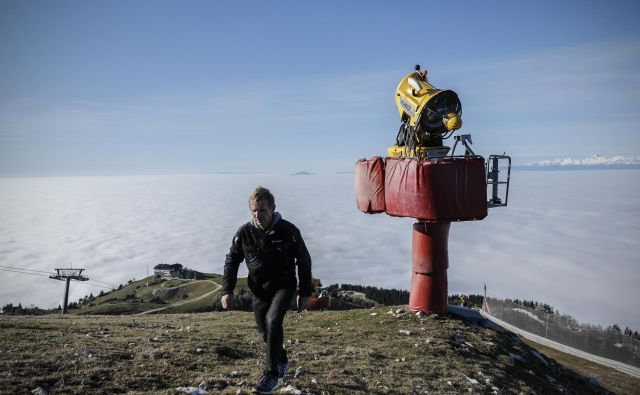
(567, 238)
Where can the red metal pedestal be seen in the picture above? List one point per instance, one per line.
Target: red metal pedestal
(430, 251)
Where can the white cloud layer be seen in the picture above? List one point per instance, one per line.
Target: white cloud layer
(567, 238)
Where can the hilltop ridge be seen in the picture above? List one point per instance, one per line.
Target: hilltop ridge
(379, 350)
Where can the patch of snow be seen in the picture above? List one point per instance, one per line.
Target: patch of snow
(192, 390)
(540, 357)
(530, 314)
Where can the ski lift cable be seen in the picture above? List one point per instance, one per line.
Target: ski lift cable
(13, 270)
(26, 270)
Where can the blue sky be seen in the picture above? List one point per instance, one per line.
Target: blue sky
(115, 87)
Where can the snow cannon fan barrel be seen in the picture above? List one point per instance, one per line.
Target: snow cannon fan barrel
(427, 115)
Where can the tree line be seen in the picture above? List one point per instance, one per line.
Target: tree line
(387, 297)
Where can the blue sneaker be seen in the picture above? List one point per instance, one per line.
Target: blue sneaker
(282, 369)
(267, 384)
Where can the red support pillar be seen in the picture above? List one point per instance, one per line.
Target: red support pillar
(430, 249)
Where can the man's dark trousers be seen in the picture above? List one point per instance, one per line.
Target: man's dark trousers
(269, 314)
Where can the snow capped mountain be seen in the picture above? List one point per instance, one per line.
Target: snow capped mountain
(593, 162)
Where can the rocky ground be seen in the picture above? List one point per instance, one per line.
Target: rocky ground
(375, 351)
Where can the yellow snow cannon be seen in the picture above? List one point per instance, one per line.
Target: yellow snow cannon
(427, 115)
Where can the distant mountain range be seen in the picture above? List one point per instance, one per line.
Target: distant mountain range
(593, 162)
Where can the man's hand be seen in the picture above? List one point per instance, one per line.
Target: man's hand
(303, 302)
(226, 301)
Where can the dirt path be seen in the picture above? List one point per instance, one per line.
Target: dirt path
(180, 303)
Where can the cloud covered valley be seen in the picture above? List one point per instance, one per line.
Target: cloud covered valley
(567, 238)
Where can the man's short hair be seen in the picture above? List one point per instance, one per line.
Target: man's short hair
(262, 194)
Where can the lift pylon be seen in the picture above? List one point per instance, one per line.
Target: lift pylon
(68, 275)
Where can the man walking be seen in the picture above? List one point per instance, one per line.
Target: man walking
(271, 247)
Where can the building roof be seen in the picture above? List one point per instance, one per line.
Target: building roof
(175, 266)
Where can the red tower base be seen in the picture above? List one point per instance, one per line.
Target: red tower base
(430, 251)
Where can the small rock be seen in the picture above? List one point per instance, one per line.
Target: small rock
(405, 332)
(39, 391)
(235, 373)
(400, 311)
(420, 314)
(449, 382)
(471, 380)
(156, 339)
(192, 390)
(515, 357)
(487, 381)
(199, 350)
(590, 380)
(290, 389)
(314, 381)
(203, 386)
(373, 314)
(299, 372)
(218, 385)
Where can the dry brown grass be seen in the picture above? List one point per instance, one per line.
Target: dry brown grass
(342, 352)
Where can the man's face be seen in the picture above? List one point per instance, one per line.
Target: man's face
(262, 213)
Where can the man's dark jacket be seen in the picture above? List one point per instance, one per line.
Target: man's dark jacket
(271, 257)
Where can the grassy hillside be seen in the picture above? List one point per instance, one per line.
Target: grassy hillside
(174, 295)
(354, 351)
